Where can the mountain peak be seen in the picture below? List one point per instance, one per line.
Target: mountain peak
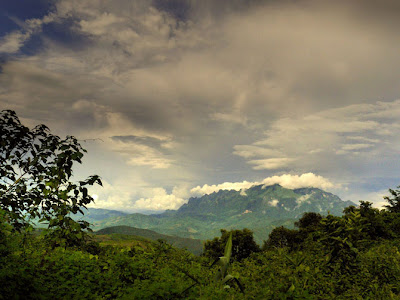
(274, 200)
(261, 209)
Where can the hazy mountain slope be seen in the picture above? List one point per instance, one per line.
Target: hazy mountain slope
(91, 215)
(259, 208)
(193, 245)
(98, 214)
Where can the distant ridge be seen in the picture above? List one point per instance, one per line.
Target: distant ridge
(260, 208)
(93, 215)
(98, 214)
(193, 245)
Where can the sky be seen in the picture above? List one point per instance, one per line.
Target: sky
(174, 99)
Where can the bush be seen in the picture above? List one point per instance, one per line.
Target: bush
(243, 245)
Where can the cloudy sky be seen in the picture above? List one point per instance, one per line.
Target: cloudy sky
(176, 98)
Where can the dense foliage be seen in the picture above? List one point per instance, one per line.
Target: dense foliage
(243, 244)
(354, 256)
(35, 172)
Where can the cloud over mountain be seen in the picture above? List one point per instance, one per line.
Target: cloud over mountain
(287, 181)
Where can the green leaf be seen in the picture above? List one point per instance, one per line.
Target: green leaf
(228, 247)
(227, 278)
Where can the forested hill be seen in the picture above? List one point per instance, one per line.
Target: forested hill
(272, 201)
(260, 208)
(193, 245)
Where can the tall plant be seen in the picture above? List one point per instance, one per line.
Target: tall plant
(223, 277)
(35, 173)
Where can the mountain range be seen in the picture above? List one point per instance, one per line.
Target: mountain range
(259, 208)
(93, 215)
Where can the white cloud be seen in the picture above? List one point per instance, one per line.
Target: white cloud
(149, 160)
(248, 151)
(363, 138)
(319, 138)
(116, 194)
(287, 181)
(353, 148)
(356, 146)
(303, 198)
(12, 42)
(296, 181)
(271, 163)
(130, 193)
(160, 200)
(234, 118)
(108, 124)
(100, 24)
(243, 192)
(141, 155)
(120, 195)
(273, 203)
(209, 189)
(375, 197)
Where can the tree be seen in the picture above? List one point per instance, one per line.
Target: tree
(243, 244)
(35, 172)
(281, 237)
(309, 221)
(394, 203)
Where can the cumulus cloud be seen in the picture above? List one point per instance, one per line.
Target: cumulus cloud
(299, 181)
(160, 200)
(286, 180)
(117, 193)
(131, 193)
(209, 189)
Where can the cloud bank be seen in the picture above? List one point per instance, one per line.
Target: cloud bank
(286, 180)
(349, 135)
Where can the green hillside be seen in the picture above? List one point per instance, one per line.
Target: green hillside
(124, 232)
(260, 209)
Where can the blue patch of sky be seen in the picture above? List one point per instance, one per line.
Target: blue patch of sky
(63, 34)
(377, 184)
(21, 10)
(60, 33)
